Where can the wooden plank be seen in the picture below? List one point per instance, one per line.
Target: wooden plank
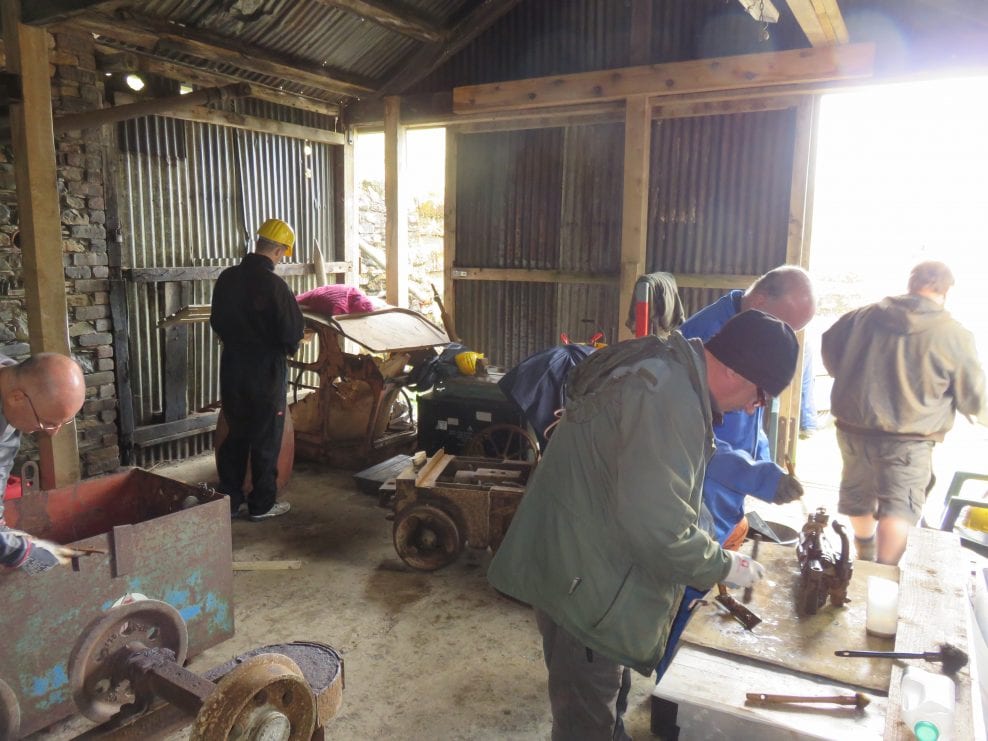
(166, 36)
(724, 73)
(256, 123)
(212, 272)
(351, 218)
(830, 10)
(396, 205)
(711, 686)
(449, 224)
(33, 142)
(634, 204)
(431, 56)
(800, 643)
(176, 376)
(809, 21)
(523, 275)
(194, 424)
(45, 12)
(666, 108)
(266, 565)
(148, 61)
(933, 609)
(403, 23)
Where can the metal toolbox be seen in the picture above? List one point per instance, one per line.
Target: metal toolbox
(163, 539)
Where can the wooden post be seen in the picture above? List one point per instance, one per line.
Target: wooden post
(634, 208)
(396, 225)
(351, 235)
(33, 141)
(798, 253)
(449, 225)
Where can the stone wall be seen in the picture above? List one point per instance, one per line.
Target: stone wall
(425, 245)
(76, 86)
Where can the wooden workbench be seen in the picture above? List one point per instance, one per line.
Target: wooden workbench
(710, 685)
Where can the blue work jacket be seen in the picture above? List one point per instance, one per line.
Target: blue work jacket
(741, 463)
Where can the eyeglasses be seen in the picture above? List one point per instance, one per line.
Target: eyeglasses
(48, 427)
(763, 399)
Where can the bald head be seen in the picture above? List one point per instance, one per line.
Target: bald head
(42, 393)
(786, 293)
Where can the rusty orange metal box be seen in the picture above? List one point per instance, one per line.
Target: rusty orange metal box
(163, 539)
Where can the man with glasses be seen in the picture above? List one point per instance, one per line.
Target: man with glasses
(606, 535)
(41, 394)
(742, 464)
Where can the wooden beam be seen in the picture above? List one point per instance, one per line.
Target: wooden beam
(194, 424)
(395, 205)
(159, 106)
(523, 275)
(403, 23)
(634, 203)
(460, 35)
(724, 73)
(449, 224)
(40, 218)
(256, 123)
(350, 215)
(143, 61)
(212, 272)
(821, 21)
(45, 12)
(155, 34)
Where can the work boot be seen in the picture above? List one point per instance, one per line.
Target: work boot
(278, 508)
(864, 548)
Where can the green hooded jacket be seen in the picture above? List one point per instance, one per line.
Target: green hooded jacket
(606, 536)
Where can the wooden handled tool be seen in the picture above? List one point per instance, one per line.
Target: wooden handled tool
(447, 319)
(952, 658)
(857, 699)
(755, 540)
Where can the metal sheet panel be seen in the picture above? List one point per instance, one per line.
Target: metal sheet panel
(180, 556)
(719, 193)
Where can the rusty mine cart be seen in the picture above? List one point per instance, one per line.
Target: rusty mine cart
(353, 416)
(453, 501)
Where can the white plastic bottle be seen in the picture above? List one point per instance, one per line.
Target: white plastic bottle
(927, 704)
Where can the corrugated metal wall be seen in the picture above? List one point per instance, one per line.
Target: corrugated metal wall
(201, 209)
(551, 199)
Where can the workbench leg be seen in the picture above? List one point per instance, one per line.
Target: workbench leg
(664, 719)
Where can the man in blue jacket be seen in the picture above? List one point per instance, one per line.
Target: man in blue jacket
(742, 464)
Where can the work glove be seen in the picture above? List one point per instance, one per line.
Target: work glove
(788, 490)
(43, 555)
(744, 571)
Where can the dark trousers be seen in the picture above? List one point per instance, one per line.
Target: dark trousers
(252, 394)
(588, 692)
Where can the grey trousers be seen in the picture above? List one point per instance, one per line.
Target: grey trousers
(588, 692)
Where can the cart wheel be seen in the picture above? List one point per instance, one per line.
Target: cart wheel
(265, 697)
(426, 538)
(505, 443)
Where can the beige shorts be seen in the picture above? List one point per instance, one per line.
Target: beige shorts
(884, 477)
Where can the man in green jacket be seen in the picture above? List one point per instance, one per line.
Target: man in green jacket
(902, 368)
(606, 537)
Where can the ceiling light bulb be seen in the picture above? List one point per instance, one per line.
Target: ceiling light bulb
(134, 82)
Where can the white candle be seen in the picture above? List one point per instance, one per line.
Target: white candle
(883, 607)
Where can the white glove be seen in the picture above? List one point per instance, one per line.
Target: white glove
(744, 571)
(43, 555)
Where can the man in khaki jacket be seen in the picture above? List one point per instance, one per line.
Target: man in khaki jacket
(902, 368)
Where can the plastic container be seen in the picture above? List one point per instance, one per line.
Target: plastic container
(927, 704)
(883, 607)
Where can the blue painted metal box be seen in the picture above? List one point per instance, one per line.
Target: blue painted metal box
(164, 539)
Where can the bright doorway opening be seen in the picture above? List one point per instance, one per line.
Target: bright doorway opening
(901, 177)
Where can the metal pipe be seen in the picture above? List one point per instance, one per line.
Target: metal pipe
(90, 119)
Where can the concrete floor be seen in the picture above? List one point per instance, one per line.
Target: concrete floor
(427, 655)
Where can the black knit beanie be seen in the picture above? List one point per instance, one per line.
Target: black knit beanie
(758, 346)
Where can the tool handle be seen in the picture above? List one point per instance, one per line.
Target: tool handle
(786, 699)
(879, 654)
